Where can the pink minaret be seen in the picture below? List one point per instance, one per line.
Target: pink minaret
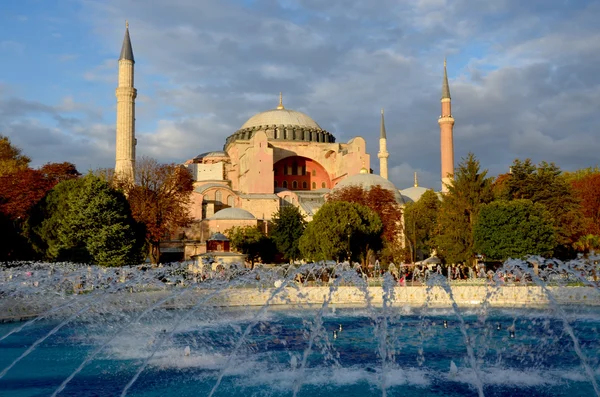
(446, 122)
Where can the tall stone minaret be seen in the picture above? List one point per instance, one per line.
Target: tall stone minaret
(446, 122)
(126, 94)
(383, 153)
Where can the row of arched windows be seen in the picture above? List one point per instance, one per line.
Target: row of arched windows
(294, 169)
(284, 185)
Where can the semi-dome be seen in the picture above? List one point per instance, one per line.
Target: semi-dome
(232, 213)
(367, 181)
(281, 117)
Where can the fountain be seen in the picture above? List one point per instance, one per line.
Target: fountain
(531, 328)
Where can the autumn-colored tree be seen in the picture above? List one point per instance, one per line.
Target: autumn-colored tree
(58, 172)
(11, 158)
(160, 200)
(381, 201)
(587, 189)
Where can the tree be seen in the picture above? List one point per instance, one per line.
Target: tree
(11, 158)
(20, 190)
(160, 200)
(587, 244)
(470, 189)
(545, 185)
(340, 230)
(587, 190)
(513, 229)
(288, 226)
(86, 220)
(252, 242)
(380, 200)
(420, 223)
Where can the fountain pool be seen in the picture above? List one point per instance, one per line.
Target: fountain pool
(117, 340)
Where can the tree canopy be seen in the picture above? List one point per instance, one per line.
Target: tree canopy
(86, 220)
(545, 185)
(341, 229)
(470, 189)
(252, 242)
(380, 200)
(513, 229)
(11, 157)
(420, 224)
(160, 200)
(288, 226)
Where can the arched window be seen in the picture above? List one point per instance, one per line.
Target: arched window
(294, 168)
(314, 172)
(218, 197)
(275, 183)
(294, 185)
(288, 169)
(304, 185)
(314, 185)
(284, 184)
(230, 201)
(323, 185)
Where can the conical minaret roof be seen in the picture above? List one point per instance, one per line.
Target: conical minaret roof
(126, 50)
(382, 134)
(445, 86)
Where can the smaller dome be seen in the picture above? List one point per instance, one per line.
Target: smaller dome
(232, 213)
(413, 193)
(367, 181)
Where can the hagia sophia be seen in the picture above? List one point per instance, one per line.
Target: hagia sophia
(279, 157)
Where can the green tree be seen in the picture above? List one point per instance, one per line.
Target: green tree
(252, 242)
(513, 229)
(544, 184)
(288, 226)
(86, 220)
(11, 157)
(341, 229)
(470, 189)
(420, 224)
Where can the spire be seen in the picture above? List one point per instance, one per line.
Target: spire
(445, 86)
(416, 180)
(126, 50)
(382, 129)
(280, 106)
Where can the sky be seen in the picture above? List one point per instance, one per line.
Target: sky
(524, 76)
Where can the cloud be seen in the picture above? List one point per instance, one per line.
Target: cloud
(522, 76)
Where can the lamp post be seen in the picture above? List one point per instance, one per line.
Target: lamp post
(349, 251)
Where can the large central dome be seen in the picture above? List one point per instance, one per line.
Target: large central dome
(281, 116)
(282, 124)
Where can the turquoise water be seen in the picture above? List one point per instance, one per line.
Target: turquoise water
(416, 347)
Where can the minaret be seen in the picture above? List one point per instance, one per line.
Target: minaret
(446, 122)
(416, 180)
(126, 94)
(383, 153)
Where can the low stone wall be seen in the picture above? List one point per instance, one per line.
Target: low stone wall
(12, 309)
(507, 296)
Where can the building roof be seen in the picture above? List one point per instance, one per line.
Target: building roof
(281, 117)
(126, 50)
(382, 134)
(445, 85)
(367, 181)
(216, 153)
(232, 213)
(218, 237)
